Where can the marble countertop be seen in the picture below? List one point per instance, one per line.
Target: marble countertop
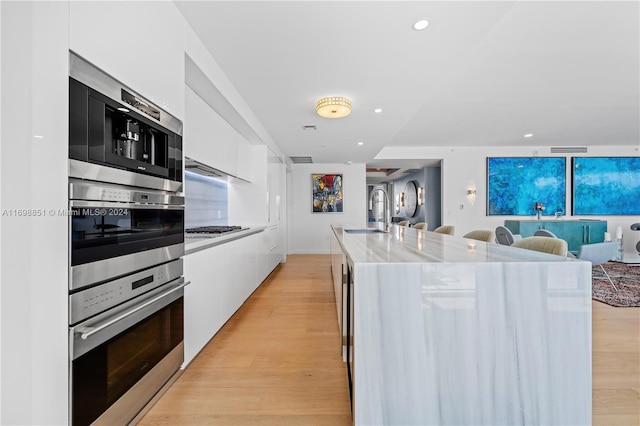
(401, 244)
(452, 331)
(194, 244)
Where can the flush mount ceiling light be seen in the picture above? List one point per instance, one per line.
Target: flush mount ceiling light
(420, 24)
(333, 107)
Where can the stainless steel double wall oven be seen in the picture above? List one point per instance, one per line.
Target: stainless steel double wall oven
(126, 237)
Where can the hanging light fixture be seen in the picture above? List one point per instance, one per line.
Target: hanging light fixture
(333, 107)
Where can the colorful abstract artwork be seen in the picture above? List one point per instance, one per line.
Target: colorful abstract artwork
(516, 185)
(327, 193)
(606, 186)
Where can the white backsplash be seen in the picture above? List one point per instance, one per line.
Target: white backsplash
(206, 201)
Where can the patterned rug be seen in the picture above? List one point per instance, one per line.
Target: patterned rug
(625, 276)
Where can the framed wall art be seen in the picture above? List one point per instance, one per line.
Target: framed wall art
(326, 193)
(516, 185)
(606, 186)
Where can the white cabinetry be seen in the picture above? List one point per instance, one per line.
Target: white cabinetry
(222, 278)
(269, 256)
(208, 138)
(275, 209)
(141, 44)
(246, 161)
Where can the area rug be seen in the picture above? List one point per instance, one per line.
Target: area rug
(625, 276)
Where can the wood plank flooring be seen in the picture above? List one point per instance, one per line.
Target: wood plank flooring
(616, 365)
(276, 361)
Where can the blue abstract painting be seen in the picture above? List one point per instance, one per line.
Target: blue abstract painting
(516, 184)
(606, 185)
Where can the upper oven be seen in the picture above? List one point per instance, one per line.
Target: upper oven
(117, 230)
(117, 136)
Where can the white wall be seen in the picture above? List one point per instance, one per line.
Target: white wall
(310, 231)
(34, 262)
(462, 166)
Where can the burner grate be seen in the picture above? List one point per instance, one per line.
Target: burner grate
(212, 229)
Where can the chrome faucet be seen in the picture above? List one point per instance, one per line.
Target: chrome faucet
(559, 214)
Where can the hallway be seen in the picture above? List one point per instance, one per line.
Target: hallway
(275, 362)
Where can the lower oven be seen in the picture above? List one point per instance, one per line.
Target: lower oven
(123, 355)
(116, 230)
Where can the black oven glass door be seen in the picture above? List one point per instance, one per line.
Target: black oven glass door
(101, 376)
(101, 230)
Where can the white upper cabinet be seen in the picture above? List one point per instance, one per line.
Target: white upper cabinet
(208, 138)
(275, 184)
(247, 158)
(141, 44)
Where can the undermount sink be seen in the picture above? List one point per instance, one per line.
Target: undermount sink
(365, 231)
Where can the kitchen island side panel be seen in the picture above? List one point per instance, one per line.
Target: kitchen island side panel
(473, 343)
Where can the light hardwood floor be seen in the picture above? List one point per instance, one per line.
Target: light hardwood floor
(616, 365)
(276, 361)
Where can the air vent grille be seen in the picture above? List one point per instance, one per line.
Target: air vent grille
(301, 160)
(410, 171)
(568, 149)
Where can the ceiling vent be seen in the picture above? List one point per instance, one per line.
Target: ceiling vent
(568, 149)
(410, 171)
(308, 127)
(301, 160)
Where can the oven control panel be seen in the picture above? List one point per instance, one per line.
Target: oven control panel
(116, 195)
(106, 192)
(91, 301)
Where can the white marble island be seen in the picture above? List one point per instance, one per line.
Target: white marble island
(450, 331)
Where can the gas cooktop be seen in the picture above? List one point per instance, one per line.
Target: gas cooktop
(204, 231)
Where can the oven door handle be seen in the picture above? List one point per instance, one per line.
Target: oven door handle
(122, 206)
(90, 331)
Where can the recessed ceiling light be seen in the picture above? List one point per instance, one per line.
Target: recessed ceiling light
(378, 110)
(360, 143)
(528, 135)
(123, 109)
(420, 24)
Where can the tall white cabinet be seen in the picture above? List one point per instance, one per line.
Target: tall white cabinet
(274, 235)
(139, 43)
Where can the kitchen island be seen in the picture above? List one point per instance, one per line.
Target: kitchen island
(450, 331)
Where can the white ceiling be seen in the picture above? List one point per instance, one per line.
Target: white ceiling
(483, 72)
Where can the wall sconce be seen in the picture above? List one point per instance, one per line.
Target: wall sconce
(420, 195)
(471, 193)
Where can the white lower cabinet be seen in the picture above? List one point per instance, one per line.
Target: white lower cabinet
(274, 248)
(222, 278)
